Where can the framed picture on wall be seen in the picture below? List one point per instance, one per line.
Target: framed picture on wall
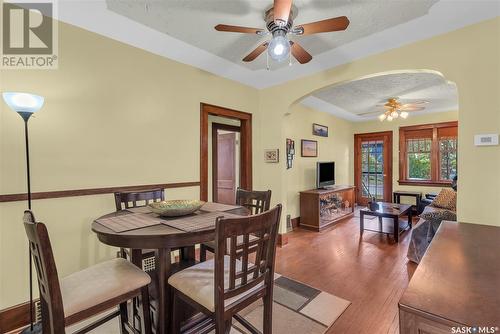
(272, 156)
(309, 148)
(290, 152)
(320, 130)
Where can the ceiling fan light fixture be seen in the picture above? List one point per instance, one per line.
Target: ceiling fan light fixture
(382, 117)
(404, 114)
(389, 118)
(394, 114)
(279, 47)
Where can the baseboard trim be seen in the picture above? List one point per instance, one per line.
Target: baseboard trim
(15, 317)
(282, 240)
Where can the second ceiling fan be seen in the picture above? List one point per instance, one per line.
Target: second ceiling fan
(279, 23)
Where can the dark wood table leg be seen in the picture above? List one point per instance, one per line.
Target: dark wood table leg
(410, 218)
(136, 259)
(163, 265)
(361, 222)
(188, 253)
(380, 225)
(396, 228)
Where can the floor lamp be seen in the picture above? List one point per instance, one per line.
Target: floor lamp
(26, 105)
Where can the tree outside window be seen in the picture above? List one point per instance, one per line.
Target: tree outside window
(428, 154)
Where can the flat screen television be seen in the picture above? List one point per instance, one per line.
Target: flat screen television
(325, 174)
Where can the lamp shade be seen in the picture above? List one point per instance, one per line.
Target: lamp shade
(279, 47)
(23, 102)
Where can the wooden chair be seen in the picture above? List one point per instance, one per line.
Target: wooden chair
(86, 293)
(255, 201)
(132, 199)
(223, 286)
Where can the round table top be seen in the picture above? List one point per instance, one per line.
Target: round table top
(156, 236)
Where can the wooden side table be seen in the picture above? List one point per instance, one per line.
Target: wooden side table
(402, 193)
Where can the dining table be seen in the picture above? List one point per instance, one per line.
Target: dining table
(139, 228)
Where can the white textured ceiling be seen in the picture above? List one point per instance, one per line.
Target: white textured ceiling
(193, 21)
(442, 17)
(350, 99)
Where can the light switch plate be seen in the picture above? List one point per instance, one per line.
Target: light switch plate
(486, 140)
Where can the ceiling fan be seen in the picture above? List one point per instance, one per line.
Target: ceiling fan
(279, 23)
(394, 108)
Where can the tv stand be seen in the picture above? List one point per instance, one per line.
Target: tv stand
(320, 208)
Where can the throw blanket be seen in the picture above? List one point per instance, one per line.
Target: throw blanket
(423, 234)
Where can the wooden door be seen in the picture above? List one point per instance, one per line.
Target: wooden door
(373, 166)
(226, 168)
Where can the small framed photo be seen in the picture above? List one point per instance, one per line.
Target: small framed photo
(320, 130)
(309, 148)
(272, 156)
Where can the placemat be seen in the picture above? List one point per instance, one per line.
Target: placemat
(198, 221)
(213, 207)
(129, 222)
(140, 209)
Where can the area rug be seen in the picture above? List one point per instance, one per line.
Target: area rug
(298, 308)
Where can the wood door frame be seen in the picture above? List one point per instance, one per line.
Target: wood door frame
(357, 159)
(216, 127)
(245, 145)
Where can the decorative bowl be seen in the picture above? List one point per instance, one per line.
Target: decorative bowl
(175, 208)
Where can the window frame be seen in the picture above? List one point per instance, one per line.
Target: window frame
(404, 133)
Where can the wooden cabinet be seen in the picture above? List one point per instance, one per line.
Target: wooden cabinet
(455, 286)
(320, 208)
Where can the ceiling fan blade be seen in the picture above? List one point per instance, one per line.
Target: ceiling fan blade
(255, 53)
(281, 11)
(411, 108)
(370, 113)
(416, 102)
(244, 30)
(328, 25)
(300, 53)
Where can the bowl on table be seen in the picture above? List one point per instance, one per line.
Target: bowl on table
(175, 208)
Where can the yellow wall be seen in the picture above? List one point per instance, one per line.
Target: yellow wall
(336, 147)
(114, 115)
(376, 126)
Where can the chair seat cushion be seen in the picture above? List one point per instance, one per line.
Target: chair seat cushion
(239, 240)
(197, 282)
(100, 283)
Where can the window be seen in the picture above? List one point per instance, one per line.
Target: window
(419, 158)
(428, 154)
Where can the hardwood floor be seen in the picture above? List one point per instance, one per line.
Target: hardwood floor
(372, 272)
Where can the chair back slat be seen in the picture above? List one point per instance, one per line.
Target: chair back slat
(242, 274)
(131, 199)
(255, 201)
(48, 281)
(244, 257)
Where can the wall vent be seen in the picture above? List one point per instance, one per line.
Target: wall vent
(38, 311)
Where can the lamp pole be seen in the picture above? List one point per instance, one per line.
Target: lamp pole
(32, 328)
(25, 105)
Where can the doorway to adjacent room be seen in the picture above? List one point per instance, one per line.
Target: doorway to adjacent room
(225, 162)
(226, 153)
